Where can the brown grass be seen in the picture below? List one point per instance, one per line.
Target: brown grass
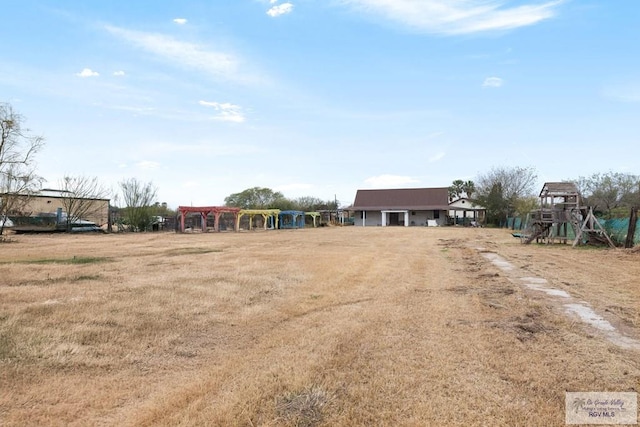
(326, 327)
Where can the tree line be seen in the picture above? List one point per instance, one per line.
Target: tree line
(507, 192)
(504, 191)
(266, 198)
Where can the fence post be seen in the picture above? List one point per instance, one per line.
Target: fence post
(633, 218)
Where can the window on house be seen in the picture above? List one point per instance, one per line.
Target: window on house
(436, 214)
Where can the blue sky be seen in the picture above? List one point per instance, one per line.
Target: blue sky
(206, 98)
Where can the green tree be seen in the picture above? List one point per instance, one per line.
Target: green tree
(18, 178)
(460, 188)
(256, 198)
(525, 205)
(495, 204)
(139, 200)
(469, 189)
(309, 203)
(501, 189)
(283, 204)
(456, 189)
(162, 209)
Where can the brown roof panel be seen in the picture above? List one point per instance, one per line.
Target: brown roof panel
(402, 198)
(559, 188)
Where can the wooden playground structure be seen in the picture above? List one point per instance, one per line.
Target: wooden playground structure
(562, 218)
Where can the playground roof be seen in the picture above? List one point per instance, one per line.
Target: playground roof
(559, 189)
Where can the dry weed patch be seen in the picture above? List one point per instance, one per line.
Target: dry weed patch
(303, 408)
(326, 327)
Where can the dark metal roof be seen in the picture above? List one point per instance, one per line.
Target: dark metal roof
(402, 198)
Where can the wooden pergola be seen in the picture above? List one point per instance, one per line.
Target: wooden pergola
(266, 214)
(292, 219)
(205, 211)
(314, 216)
(271, 218)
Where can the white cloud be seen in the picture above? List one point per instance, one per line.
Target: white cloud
(118, 73)
(180, 21)
(458, 16)
(221, 65)
(87, 72)
(148, 165)
(492, 82)
(389, 181)
(437, 157)
(280, 9)
(227, 112)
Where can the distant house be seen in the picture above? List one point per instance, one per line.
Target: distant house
(401, 207)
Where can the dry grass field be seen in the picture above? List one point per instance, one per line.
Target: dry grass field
(317, 327)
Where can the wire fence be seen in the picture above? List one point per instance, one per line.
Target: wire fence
(616, 228)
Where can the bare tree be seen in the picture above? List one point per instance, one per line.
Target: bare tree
(139, 201)
(18, 179)
(82, 197)
(610, 192)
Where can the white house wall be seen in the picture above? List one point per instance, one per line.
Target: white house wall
(372, 219)
(420, 218)
(416, 218)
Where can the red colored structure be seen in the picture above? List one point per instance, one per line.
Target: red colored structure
(205, 211)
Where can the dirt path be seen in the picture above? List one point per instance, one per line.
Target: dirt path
(398, 326)
(578, 279)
